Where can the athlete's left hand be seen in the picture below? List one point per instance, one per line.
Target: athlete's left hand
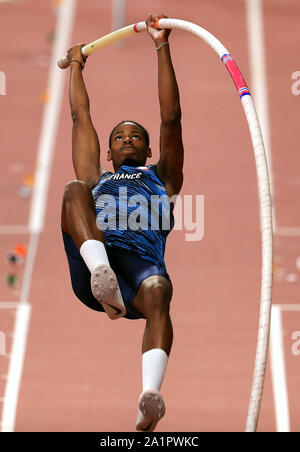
(160, 35)
(74, 53)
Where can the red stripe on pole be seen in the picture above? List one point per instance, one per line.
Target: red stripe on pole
(236, 75)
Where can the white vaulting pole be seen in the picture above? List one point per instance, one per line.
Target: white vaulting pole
(264, 189)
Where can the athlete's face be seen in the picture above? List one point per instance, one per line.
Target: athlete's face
(128, 146)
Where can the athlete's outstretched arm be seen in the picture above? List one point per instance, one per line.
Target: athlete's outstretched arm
(170, 164)
(85, 142)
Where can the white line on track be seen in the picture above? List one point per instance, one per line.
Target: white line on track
(15, 366)
(278, 371)
(9, 304)
(64, 25)
(259, 88)
(118, 14)
(289, 307)
(255, 24)
(292, 231)
(14, 229)
(50, 119)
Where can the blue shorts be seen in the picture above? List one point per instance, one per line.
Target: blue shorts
(129, 268)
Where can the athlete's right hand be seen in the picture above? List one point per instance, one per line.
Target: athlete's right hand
(74, 53)
(158, 35)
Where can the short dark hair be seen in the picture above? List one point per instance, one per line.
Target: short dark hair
(145, 132)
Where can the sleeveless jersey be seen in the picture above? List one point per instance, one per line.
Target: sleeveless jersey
(133, 211)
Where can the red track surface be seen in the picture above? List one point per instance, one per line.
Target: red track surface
(82, 372)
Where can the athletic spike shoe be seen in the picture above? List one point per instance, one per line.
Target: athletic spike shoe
(151, 410)
(105, 288)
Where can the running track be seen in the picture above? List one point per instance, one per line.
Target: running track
(81, 372)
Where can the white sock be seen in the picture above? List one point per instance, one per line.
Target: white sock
(154, 363)
(93, 252)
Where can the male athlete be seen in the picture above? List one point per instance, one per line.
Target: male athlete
(116, 257)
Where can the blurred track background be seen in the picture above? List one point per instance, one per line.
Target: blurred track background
(66, 368)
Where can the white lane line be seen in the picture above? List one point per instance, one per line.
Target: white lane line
(14, 229)
(65, 20)
(9, 304)
(258, 83)
(289, 307)
(29, 267)
(118, 14)
(259, 89)
(292, 231)
(15, 366)
(51, 115)
(278, 372)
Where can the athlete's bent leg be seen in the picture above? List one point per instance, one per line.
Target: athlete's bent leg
(153, 301)
(78, 216)
(78, 219)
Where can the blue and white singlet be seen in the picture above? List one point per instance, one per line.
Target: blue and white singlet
(133, 211)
